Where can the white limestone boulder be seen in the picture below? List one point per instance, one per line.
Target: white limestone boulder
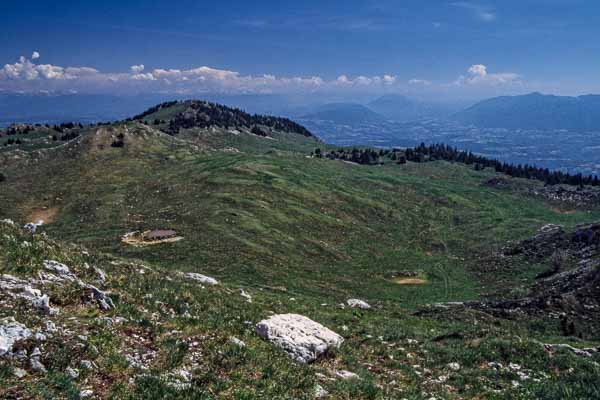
(302, 338)
(11, 332)
(356, 303)
(201, 278)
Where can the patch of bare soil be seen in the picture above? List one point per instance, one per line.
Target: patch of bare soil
(46, 214)
(409, 281)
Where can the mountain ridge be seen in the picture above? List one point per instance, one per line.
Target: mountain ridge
(535, 111)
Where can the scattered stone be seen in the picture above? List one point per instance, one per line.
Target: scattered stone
(587, 352)
(346, 375)
(302, 338)
(320, 392)
(110, 321)
(356, 303)
(86, 364)
(514, 367)
(19, 372)
(37, 365)
(246, 296)
(57, 267)
(184, 374)
(86, 393)
(101, 297)
(25, 291)
(101, 275)
(454, 366)
(33, 226)
(72, 373)
(572, 195)
(201, 278)
(50, 326)
(237, 342)
(11, 332)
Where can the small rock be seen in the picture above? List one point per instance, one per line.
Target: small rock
(86, 393)
(37, 365)
(201, 278)
(86, 364)
(237, 342)
(184, 374)
(101, 275)
(356, 303)
(36, 353)
(57, 267)
(514, 367)
(19, 373)
(320, 392)
(246, 296)
(32, 226)
(50, 326)
(454, 366)
(101, 297)
(346, 375)
(72, 373)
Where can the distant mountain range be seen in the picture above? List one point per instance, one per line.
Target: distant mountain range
(392, 107)
(345, 114)
(401, 108)
(534, 111)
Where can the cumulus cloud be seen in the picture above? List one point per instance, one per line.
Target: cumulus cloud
(35, 55)
(136, 69)
(363, 81)
(25, 75)
(478, 75)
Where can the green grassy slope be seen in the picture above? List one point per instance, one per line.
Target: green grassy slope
(281, 219)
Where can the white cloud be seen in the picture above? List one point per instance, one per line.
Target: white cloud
(35, 55)
(423, 82)
(26, 75)
(363, 81)
(136, 69)
(478, 75)
(482, 13)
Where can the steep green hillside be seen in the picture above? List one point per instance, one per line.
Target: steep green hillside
(300, 234)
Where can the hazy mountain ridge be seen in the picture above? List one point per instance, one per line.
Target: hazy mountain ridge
(535, 111)
(401, 108)
(344, 113)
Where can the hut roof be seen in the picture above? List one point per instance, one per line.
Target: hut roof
(159, 233)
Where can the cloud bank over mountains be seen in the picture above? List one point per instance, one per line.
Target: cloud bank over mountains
(27, 75)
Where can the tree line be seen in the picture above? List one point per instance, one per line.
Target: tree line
(434, 152)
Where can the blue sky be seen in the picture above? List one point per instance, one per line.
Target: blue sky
(423, 48)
